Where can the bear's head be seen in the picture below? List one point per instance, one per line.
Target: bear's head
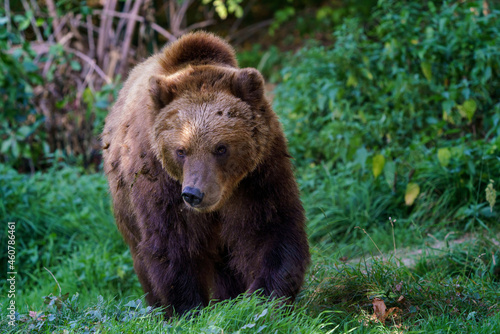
(210, 130)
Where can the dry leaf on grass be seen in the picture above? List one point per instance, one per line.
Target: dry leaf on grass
(381, 312)
(379, 309)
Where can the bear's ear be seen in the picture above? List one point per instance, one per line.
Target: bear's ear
(162, 91)
(248, 85)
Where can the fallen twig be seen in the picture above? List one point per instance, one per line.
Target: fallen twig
(55, 20)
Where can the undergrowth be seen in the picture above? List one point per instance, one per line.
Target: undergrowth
(94, 287)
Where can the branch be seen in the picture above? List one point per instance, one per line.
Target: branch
(128, 36)
(37, 10)
(55, 20)
(7, 14)
(39, 37)
(121, 23)
(177, 18)
(245, 33)
(104, 29)
(62, 41)
(163, 32)
(182, 11)
(91, 62)
(202, 24)
(141, 19)
(90, 34)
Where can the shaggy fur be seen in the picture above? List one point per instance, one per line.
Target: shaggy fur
(189, 117)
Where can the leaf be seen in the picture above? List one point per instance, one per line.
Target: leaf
(427, 70)
(101, 104)
(411, 194)
(444, 156)
(29, 66)
(221, 9)
(367, 74)
(133, 304)
(75, 65)
(15, 149)
(448, 118)
(251, 325)
(257, 317)
(23, 25)
(361, 156)
(491, 195)
(379, 309)
(390, 174)
(447, 105)
(23, 132)
(18, 18)
(378, 165)
(6, 145)
(470, 107)
(87, 96)
(261, 328)
(351, 81)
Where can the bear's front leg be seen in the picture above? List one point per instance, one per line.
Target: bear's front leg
(176, 279)
(264, 226)
(283, 262)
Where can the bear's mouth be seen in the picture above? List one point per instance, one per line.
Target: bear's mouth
(202, 208)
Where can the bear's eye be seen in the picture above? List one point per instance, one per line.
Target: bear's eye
(221, 150)
(180, 153)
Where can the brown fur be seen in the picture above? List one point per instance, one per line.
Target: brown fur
(189, 117)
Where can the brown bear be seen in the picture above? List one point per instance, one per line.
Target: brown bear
(201, 180)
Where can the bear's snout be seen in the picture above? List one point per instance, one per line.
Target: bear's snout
(192, 196)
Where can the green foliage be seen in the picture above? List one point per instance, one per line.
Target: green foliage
(281, 16)
(491, 195)
(19, 74)
(58, 214)
(316, 17)
(223, 8)
(43, 106)
(328, 16)
(413, 99)
(266, 61)
(373, 82)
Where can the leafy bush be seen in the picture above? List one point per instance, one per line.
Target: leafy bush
(409, 107)
(18, 76)
(266, 61)
(50, 106)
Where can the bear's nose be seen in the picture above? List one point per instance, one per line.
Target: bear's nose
(192, 196)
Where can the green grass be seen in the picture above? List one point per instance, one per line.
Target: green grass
(246, 314)
(64, 224)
